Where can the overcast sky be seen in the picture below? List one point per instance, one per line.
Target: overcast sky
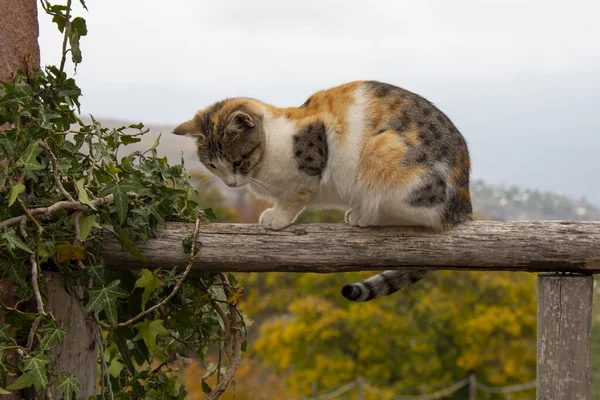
(520, 79)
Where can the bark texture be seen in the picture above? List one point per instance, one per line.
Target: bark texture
(326, 248)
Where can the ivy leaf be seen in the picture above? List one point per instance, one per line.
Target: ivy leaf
(7, 144)
(29, 158)
(86, 224)
(14, 192)
(4, 391)
(36, 368)
(106, 299)
(150, 282)
(147, 331)
(151, 394)
(115, 368)
(128, 244)
(82, 195)
(17, 93)
(22, 382)
(68, 384)
(79, 25)
(15, 241)
(128, 139)
(52, 336)
(119, 191)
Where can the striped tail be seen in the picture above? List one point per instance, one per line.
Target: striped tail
(382, 284)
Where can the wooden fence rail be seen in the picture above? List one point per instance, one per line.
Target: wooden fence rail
(570, 251)
(477, 246)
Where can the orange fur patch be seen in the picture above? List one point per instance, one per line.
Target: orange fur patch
(380, 162)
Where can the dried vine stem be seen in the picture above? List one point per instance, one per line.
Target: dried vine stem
(178, 282)
(55, 173)
(36, 288)
(60, 205)
(31, 218)
(234, 338)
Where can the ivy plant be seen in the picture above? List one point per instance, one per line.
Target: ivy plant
(65, 185)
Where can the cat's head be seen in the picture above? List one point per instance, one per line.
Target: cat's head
(230, 139)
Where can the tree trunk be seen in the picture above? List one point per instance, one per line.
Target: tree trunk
(18, 50)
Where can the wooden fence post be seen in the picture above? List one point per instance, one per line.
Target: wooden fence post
(472, 386)
(79, 353)
(564, 336)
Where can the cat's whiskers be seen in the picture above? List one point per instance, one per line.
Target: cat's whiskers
(262, 187)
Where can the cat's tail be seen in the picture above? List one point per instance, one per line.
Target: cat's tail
(382, 284)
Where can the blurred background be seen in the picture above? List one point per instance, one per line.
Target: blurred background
(519, 79)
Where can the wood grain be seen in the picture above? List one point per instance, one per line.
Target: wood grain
(564, 334)
(480, 245)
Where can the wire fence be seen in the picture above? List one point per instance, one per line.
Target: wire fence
(364, 387)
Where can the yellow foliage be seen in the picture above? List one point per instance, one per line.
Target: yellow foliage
(428, 335)
(253, 381)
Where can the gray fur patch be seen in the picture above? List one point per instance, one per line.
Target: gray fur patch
(310, 148)
(431, 194)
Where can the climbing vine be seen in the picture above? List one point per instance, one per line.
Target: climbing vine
(64, 185)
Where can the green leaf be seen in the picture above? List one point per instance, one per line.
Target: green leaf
(36, 368)
(52, 336)
(115, 368)
(150, 282)
(156, 142)
(151, 394)
(7, 144)
(128, 244)
(128, 139)
(206, 388)
(106, 299)
(14, 192)
(17, 93)
(82, 195)
(147, 331)
(4, 391)
(15, 241)
(121, 343)
(29, 158)
(209, 215)
(79, 25)
(86, 223)
(136, 126)
(4, 332)
(119, 191)
(68, 384)
(22, 382)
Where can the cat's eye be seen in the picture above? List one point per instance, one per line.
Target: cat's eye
(236, 164)
(212, 166)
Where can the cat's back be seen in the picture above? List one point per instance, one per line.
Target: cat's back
(385, 139)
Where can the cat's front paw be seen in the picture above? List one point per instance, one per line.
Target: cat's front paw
(271, 219)
(354, 218)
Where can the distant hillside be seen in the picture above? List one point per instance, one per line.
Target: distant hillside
(495, 202)
(514, 203)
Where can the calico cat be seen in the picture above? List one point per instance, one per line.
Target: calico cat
(388, 154)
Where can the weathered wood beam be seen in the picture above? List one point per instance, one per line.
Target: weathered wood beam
(564, 333)
(480, 245)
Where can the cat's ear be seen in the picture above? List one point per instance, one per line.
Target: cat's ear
(239, 122)
(193, 127)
